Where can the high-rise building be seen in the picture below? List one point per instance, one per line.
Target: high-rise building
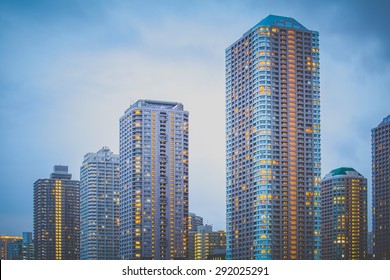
(194, 221)
(57, 216)
(99, 206)
(273, 142)
(204, 242)
(344, 215)
(381, 189)
(154, 181)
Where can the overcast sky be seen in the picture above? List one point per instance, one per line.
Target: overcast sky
(69, 69)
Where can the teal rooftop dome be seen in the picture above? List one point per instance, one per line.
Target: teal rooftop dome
(273, 20)
(343, 171)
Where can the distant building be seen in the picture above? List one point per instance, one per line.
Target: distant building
(17, 247)
(10, 247)
(206, 243)
(381, 189)
(344, 215)
(14, 251)
(99, 206)
(27, 246)
(57, 216)
(154, 181)
(194, 221)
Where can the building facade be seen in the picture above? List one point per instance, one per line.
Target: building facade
(14, 250)
(17, 247)
(204, 243)
(381, 189)
(344, 215)
(27, 246)
(194, 221)
(154, 181)
(57, 216)
(273, 142)
(9, 247)
(99, 206)
(370, 246)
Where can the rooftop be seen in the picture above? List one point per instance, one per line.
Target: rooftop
(343, 171)
(104, 154)
(273, 20)
(60, 172)
(155, 104)
(385, 120)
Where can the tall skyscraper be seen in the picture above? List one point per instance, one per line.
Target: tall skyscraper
(57, 216)
(344, 215)
(154, 181)
(99, 206)
(381, 189)
(273, 142)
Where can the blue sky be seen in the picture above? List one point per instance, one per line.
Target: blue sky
(69, 69)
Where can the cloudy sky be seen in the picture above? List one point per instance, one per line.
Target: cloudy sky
(69, 69)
